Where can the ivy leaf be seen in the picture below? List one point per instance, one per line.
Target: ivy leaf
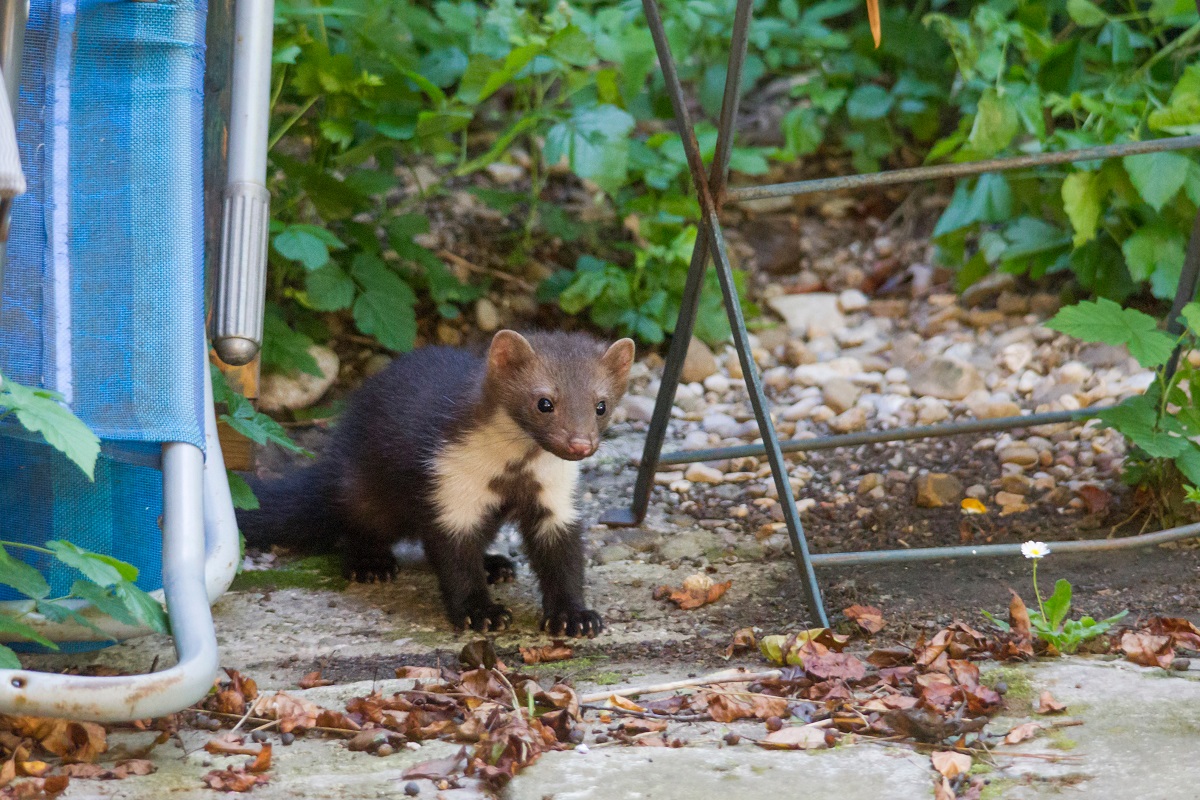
(1081, 196)
(1156, 253)
(22, 577)
(1085, 13)
(1105, 321)
(39, 411)
(996, 124)
(96, 567)
(241, 493)
(1157, 176)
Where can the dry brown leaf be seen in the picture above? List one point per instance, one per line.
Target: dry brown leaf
(38, 788)
(32, 769)
(743, 640)
(840, 666)
(869, 618)
(1048, 705)
(232, 780)
(120, 771)
(951, 764)
(1182, 632)
(795, 737)
(1095, 498)
(419, 673)
(262, 761)
(292, 713)
(438, 769)
(617, 701)
(1148, 649)
(874, 21)
(943, 791)
(225, 747)
(1018, 618)
(313, 679)
(72, 741)
(559, 650)
(724, 707)
(1022, 732)
(697, 590)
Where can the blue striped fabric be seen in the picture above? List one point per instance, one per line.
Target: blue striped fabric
(103, 286)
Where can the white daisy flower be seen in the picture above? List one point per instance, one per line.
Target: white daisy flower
(1035, 550)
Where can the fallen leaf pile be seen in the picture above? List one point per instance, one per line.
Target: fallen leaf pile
(697, 590)
(1154, 644)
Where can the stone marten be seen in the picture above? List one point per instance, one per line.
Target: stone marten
(444, 447)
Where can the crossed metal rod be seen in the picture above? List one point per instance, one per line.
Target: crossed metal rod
(712, 191)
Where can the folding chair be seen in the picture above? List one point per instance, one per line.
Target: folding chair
(103, 301)
(712, 192)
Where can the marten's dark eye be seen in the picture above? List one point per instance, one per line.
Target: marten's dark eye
(601, 408)
(545, 406)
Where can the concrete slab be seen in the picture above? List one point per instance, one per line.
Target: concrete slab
(705, 773)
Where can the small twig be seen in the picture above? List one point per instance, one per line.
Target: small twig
(725, 676)
(511, 690)
(647, 714)
(256, 720)
(459, 261)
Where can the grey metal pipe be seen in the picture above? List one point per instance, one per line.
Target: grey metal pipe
(113, 699)
(993, 550)
(242, 270)
(963, 170)
(881, 437)
(14, 15)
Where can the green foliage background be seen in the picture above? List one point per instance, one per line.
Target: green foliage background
(367, 89)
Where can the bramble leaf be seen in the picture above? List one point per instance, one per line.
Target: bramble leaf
(1105, 321)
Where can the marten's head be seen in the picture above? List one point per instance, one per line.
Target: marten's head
(560, 388)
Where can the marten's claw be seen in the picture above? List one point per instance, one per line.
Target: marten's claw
(576, 622)
(485, 618)
(499, 568)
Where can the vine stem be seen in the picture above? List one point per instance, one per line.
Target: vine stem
(23, 546)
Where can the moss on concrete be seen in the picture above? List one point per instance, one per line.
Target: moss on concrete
(313, 572)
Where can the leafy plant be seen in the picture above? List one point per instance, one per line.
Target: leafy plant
(1160, 425)
(241, 415)
(1049, 622)
(107, 584)
(41, 411)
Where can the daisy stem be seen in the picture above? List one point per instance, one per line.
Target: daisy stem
(1037, 593)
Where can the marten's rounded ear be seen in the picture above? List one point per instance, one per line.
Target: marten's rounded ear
(509, 350)
(619, 358)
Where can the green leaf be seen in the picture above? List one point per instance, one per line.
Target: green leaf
(96, 567)
(869, 102)
(1105, 321)
(39, 411)
(593, 140)
(996, 124)
(8, 659)
(1191, 316)
(1058, 604)
(142, 607)
(1158, 177)
(22, 577)
(285, 350)
(302, 246)
(60, 613)
(802, 132)
(242, 494)
(1155, 253)
(385, 309)
(1085, 13)
(329, 288)
(1082, 196)
(1137, 419)
(104, 600)
(8, 625)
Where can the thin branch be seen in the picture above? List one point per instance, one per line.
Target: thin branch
(459, 261)
(725, 676)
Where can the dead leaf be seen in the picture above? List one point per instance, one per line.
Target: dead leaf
(840, 666)
(795, 737)
(1095, 498)
(559, 650)
(874, 21)
(889, 656)
(617, 701)
(1022, 732)
(120, 771)
(697, 590)
(72, 741)
(262, 761)
(951, 764)
(869, 618)
(1048, 705)
(1182, 632)
(224, 747)
(743, 640)
(419, 673)
(724, 707)
(439, 768)
(927, 726)
(292, 713)
(233, 780)
(32, 769)
(37, 788)
(943, 791)
(1147, 649)
(313, 679)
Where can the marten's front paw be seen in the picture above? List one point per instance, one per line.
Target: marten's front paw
(572, 622)
(500, 569)
(370, 570)
(483, 617)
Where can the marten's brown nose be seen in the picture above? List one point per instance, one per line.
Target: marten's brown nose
(580, 447)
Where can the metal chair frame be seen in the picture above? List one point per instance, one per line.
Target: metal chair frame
(201, 551)
(712, 192)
